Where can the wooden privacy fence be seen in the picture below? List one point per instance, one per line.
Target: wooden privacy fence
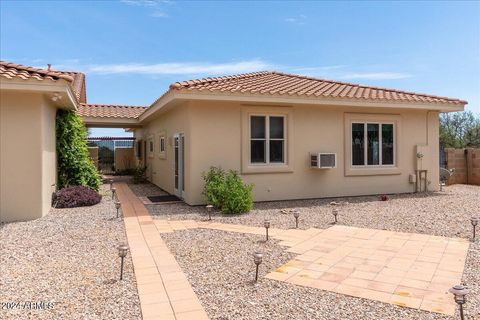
(466, 163)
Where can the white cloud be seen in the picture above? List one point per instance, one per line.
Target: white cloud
(144, 3)
(159, 14)
(300, 19)
(377, 76)
(180, 68)
(155, 5)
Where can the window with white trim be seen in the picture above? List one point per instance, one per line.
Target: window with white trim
(373, 144)
(150, 146)
(161, 144)
(267, 139)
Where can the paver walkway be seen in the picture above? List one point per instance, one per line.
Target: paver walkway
(406, 269)
(163, 288)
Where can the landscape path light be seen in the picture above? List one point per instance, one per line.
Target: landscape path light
(335, 214)
(296, 215)
(257, 259)
(266, 224)
(114, 192)
(209, 210)
(459, 292)
(117, 206)
(122, 253)
(111, 183)
(474, 222)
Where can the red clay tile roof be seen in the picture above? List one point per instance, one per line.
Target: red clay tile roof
(110, 111)
(76, 79)
(282, 84)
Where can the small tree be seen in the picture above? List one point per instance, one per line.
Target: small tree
(75, 168)
(459, 130)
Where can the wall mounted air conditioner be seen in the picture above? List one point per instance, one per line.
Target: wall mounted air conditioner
(323, 160)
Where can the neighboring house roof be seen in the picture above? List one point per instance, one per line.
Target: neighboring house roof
(282, 84)
(110, 111)
(76, 80)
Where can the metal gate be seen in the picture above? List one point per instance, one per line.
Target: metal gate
(106, 150)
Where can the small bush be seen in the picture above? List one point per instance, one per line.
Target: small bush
(214, 189)
(139, 174)
(227, 191)
(238, 195)
(77, 196)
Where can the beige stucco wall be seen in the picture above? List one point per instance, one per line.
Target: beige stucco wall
(27, 155)
(160, 167)
(215, 131)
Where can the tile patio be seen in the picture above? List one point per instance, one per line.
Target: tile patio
(405, 269)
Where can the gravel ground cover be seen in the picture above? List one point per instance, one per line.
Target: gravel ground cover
(69, 259)
(217, 255)
(146, 189)
(220, 268)
(445, 213)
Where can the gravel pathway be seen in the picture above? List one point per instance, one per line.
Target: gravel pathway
(220, 268)
(69, 259)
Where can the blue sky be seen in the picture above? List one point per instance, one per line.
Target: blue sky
(132, 50)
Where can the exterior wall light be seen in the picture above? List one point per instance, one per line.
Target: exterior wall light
(474, 222)
(122, 253)
(459, 292)
(266, 224)
(257, 259)
(296, 214)
(335, 214)
(117, 206)
(209, 210)
(114, 192)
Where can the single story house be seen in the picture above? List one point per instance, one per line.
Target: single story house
(292, 136)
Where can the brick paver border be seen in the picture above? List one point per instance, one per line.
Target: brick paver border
(163, 288)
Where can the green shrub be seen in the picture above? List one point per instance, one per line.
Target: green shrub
(227, 191)
(75, 168)
(238, 195)
(214, 189)
(139, 174)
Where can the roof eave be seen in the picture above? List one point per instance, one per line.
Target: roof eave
(174, 94)
(60, 91)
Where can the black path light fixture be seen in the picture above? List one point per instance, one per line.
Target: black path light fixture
(474, 222)
(257, 259)
(117, 206)
(122, 253)
(114, 192)
(111, 183)
(335, 214)
(209, 210)
(296, 215)
(459, 292)
(266, 224)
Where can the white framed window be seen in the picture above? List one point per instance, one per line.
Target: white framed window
(372, 144)
(267, 135)
(150, 146)
(162, 145)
